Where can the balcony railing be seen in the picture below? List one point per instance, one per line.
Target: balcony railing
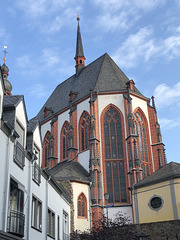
(66, 236)
(19, 154)
(16, 222)
(37, 173)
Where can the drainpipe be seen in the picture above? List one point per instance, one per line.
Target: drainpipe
(47, 182)
(29, 195)
(6, 182)
(90, 213)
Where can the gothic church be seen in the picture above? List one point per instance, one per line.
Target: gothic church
(100, 136)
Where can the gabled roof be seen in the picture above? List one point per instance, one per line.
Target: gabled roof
(10, 102)
(102, 75)
(31, 126)
(167, 172)
(69, 170)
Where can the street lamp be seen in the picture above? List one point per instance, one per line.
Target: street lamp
(106, 196)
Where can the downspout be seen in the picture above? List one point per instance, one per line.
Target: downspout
(29, 197)
(47, 181)
(90, 213)
(6, 182)
(100, 152)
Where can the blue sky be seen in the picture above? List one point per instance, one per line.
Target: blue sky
(142, 36)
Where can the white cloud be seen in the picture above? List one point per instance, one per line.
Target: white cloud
(143, 46)
(167, 96)
(120, 14)
(2, 32)
(136, 46)
(38, 90)
(169, 123)
(24, 61)
(49, 58)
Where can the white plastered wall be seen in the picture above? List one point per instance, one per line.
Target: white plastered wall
(137, 102)
(81, 224)
(21, 117)
(83, 157)
(1, 98)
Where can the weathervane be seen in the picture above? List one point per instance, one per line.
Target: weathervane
(5, 53)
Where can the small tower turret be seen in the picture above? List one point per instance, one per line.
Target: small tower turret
(5, 73)
(79, 57)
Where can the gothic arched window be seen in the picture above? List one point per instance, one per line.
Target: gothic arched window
(140, 130)
(64, 140)
(114, 155)
(48, 149)
(84, 131)
(82, 206)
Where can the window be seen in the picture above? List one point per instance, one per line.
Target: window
(156, 203)
(84, 131)
(48, 150)
(16, 218)
(114, 156)
(36, 214)
(20, 130)
(82, 206)
(140, 130)
(58, 228)
(36, 166)
(65, 140)
(51, 223)
(19, 152)
(65, 226)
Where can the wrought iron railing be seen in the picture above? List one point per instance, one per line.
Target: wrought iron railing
(16, 222)
(37, 173)
(66, 236)
(19, 154)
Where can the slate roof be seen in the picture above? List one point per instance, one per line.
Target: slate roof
(69, 170)
(12, 100)
(9, 105)
(102, 75)
(30, 129)
(79, 46)
(167, 172)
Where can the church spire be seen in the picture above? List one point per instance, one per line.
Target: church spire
(79, 57)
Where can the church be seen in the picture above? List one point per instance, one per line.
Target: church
(100, 136)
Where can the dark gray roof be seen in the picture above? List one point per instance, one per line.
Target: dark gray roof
(31, 126)
(79, 46)
(102, 75)
(167, 172)
(12, 100)
(58, 185)
(68, 170)
(9, 105)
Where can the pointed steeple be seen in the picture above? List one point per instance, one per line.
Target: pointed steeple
(79, 57)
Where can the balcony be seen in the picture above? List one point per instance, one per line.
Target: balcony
(16, 222)
(19, 154)
(36, 173)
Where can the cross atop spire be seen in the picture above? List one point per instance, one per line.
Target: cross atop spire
(79, 57)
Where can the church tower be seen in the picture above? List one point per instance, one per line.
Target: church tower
(79, 57)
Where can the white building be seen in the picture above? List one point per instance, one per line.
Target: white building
(32, 204)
